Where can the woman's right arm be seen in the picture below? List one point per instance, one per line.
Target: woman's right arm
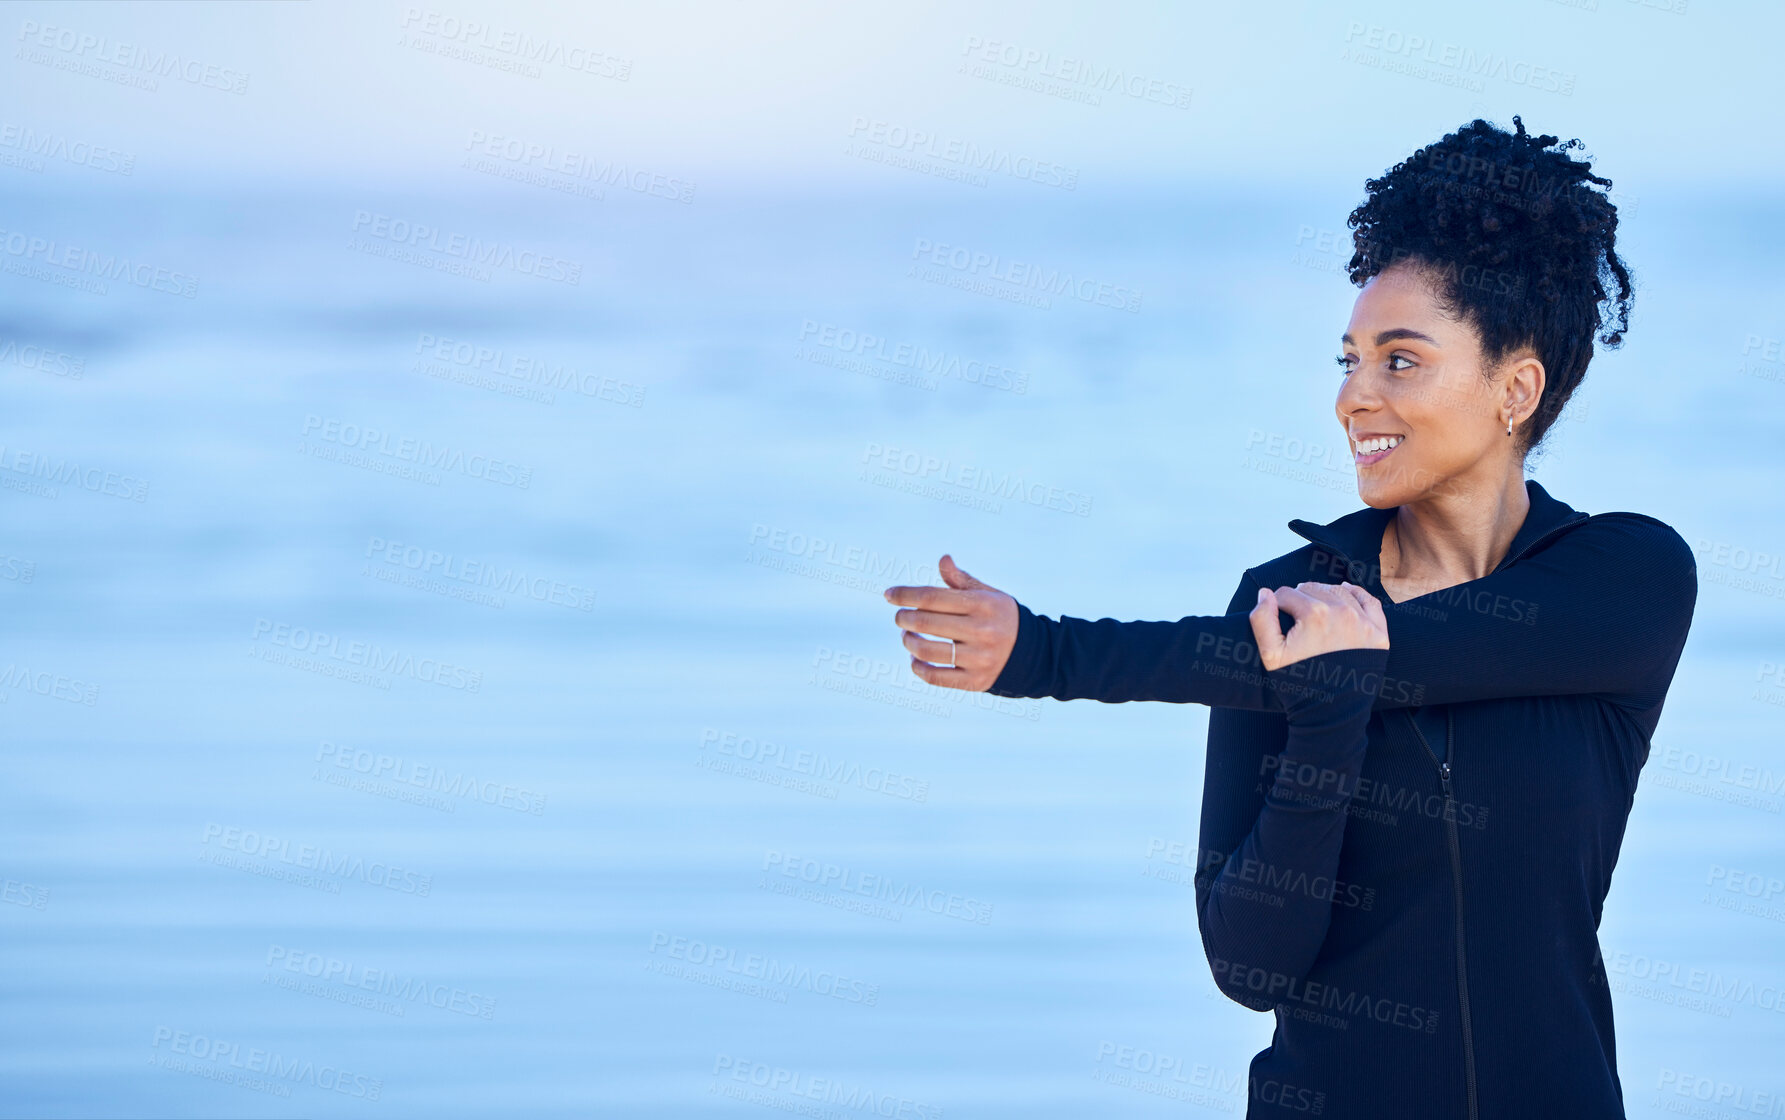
(1604, 610)
(988, 637)
(1199, 659)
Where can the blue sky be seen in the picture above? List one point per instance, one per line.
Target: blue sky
(767, 94)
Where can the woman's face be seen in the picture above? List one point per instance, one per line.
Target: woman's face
(1422, 417)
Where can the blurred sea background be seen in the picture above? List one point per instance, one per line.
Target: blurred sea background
(339, 783)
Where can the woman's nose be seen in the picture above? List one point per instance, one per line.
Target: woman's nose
(1356, 394)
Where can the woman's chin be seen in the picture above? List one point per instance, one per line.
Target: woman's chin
(1381, 495)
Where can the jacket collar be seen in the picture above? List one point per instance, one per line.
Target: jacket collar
(1357, 536)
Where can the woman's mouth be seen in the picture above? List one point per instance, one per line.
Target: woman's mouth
(1372, 449)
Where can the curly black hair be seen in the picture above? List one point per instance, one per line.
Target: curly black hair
(1521, 245)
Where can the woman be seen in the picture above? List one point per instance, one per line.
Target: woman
(1406, 842)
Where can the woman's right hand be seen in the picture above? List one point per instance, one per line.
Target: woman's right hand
(1327, 617)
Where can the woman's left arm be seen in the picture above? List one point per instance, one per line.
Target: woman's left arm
(1604, 611)
(1275, 797)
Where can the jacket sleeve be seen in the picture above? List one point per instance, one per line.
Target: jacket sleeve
(1274, 796)
(1604, 610)
(1199, 659)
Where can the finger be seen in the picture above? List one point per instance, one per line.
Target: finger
(1373, 608)
(1300, 604)
(1351, 597)
(1359, 596)
(1344, 602)
(957, 578)
(942, 600)
(1266, 629)
(942, 676)
(928, 649)
(1351, 593)
(931, 622)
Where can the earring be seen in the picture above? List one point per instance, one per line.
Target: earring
(1509, 425)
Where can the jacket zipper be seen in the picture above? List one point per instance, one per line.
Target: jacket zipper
(1456, 873)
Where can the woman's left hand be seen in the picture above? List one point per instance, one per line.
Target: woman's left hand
(1327, 617)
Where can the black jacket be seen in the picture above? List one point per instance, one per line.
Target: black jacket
(1425, 933)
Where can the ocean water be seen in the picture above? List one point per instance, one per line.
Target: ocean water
(433, 695)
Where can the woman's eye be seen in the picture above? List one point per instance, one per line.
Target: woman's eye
(1399, 358)
(1344, 364)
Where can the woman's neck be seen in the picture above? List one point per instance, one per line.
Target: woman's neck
(1451, 538)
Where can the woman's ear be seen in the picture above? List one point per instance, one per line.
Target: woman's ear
(1523, 379)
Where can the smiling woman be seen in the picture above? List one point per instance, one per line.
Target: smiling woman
(1484, 260)
(1406, 845)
